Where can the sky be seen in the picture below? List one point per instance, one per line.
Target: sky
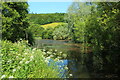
(48, 7)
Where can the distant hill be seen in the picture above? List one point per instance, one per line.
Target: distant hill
(46, 18)
(52, 25)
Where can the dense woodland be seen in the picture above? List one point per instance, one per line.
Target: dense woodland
(46, 18)
(95, 25)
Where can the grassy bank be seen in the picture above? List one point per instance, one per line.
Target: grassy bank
(21, 61)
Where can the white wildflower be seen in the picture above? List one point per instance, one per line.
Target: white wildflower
(11, 77)
(19, 67)
(66, 67)
(14, 70)
(31, 57)
(34, 49)
(23, 59)
(54, 53)
(20, 39)
(27, 41)
(3, 76)
(70, 74)
(43, 49)
(56, 50)
(16, 56)
(60, 52)
(47, 58)
(48, 52)
(27, 62)
(1, 54)
(56, 59)
(26, 53)
(21, 62)
(51, 55)
(64, 55)
(46, 61)
(61, 61)
(9, 61)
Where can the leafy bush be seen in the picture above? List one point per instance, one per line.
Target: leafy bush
(36, 30)
(21, 61)
(61, 32)
(47, 34)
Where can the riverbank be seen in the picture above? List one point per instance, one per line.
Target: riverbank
(21, 61)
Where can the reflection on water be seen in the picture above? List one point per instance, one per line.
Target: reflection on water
(88, 65)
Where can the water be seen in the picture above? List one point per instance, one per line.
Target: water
(85, 65)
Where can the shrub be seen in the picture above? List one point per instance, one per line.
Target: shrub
(61, 32)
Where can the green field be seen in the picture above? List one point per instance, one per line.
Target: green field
(52, 25)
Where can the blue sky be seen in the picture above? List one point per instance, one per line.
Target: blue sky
(48, 7)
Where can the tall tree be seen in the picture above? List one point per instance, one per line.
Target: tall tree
(14, 20)
(96, 24)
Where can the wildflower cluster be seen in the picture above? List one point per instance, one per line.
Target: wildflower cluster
(21, 61)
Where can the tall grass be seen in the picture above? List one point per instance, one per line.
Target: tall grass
(21, 61)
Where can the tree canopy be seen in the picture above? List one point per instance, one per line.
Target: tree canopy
(14, 23)
(95, 23)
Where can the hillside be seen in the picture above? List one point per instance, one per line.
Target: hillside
(52, 25)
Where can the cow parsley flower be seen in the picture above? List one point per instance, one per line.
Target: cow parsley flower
(66, 67)
(11, 77)
(27, 62)
(21, 62)
(56, 50)
(70, 74)
(14, 70)
(60, 52)
(31, 57)
(26, 53)
(3, 76)
(19, 67)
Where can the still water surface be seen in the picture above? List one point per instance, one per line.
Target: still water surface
(83, 65)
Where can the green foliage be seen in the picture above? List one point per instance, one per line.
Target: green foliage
(96, 24)
(61, 32)
(21, 61)
(47, 34)
(46, 18)
(36, 30)
(14, 20)
(109, 25)
(30, 37)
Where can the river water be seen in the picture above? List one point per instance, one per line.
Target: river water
(84, 65)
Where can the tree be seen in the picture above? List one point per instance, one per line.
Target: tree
(14, 20)
(61, 32)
